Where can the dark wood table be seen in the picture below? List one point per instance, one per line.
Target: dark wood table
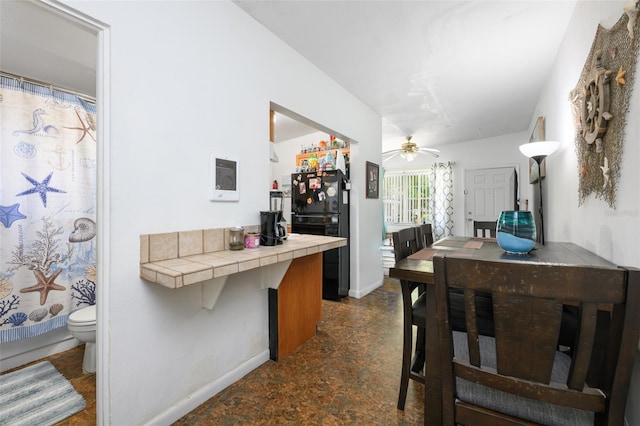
(419, 267)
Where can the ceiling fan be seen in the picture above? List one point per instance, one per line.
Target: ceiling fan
(409, 151)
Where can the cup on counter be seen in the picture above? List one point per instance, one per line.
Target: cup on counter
(252, 240)
(236, 238)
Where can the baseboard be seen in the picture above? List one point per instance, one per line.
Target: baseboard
(193, 401)
(363, 292)
(19, 353)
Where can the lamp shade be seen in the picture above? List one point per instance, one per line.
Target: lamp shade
(539, 149)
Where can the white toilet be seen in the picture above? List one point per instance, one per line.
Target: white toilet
(82, 326)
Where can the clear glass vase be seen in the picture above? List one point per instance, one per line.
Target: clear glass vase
(516, 231)
(236, 238)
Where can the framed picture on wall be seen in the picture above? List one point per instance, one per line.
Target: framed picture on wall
(537, 135)
(373, 180)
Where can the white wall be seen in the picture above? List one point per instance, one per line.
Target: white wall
(612, 234)
(501, 151)
(189, 79)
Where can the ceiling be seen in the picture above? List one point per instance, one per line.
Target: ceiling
(287, 128)
(38, 43)
(442, 71)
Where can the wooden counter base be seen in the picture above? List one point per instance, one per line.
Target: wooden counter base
(296, 306)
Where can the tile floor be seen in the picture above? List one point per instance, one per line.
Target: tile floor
(347, 375)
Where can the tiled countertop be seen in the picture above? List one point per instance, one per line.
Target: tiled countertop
(197, 268)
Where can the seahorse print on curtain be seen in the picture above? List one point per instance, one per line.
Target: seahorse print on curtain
(47, 207)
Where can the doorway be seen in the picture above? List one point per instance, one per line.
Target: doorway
(289, 132)
(487, 193)
(42, 29)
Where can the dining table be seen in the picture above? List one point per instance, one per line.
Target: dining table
(418, 267)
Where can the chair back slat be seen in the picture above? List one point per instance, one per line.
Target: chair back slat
(527, 332)
(543, 280)
(523, 360)
(584, 344)
(405, 243)
(484, 229)
(425, 235)
(590, 399)
(472, 327)
(619, 362)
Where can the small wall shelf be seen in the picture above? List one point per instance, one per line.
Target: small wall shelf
(305, 156)
(179, 259)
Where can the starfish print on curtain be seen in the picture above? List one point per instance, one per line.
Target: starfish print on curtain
(44, 285)
(40, 187)
(9, 214)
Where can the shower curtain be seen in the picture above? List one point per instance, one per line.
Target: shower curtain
(47, 207)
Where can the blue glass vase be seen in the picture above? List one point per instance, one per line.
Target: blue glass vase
(516, 231)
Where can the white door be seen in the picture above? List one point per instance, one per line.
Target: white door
(487, 193)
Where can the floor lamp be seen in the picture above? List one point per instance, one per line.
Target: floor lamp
(538, 151)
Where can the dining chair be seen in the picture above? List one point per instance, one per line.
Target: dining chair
(519, 377)
(405, 243)
(484, 229)
(414, 308)
(425, 235)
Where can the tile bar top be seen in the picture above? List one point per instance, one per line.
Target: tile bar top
(179, 259)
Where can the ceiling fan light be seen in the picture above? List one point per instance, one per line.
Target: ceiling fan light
(409, 151)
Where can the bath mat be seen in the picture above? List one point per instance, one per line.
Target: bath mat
(37, 394)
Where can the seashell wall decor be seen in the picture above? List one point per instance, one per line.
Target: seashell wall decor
(600, 102)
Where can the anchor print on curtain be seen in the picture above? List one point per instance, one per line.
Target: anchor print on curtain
(47, 207)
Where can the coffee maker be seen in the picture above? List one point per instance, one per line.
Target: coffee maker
(273, 226)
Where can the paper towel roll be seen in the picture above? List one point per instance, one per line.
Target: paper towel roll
(340, 164)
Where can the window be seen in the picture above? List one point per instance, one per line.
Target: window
(406, 197)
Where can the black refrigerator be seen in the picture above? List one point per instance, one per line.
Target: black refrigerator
(320, 206)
